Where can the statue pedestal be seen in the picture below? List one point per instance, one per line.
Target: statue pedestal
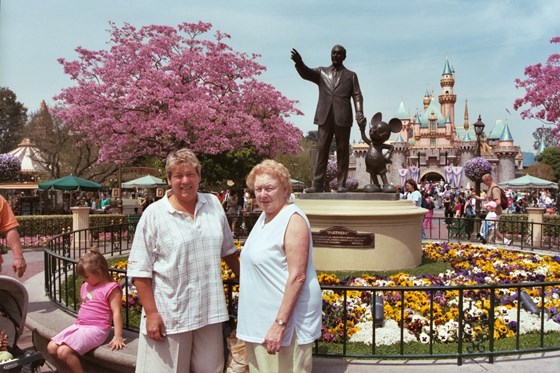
(396, 226)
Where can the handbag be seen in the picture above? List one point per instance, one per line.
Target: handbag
(237, 358)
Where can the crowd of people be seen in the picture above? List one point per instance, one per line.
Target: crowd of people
(455, 201)
(462, 203)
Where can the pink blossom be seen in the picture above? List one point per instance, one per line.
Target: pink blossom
(159, 88)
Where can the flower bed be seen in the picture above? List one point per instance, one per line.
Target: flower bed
(472, 265)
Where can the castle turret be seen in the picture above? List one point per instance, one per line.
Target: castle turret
(447, 99)
(404, 116)
(506, 152)
(427, 99)
(398, 160)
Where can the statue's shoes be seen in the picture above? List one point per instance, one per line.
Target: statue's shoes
(341, 190)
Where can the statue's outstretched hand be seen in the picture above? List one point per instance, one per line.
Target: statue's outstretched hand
(296, 57)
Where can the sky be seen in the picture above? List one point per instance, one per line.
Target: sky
(398, 48)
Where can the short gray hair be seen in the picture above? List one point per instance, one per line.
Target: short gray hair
(181, 156)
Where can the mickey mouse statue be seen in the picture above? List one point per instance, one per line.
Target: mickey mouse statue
(376, 161)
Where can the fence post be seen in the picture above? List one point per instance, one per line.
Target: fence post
(80, 220)
(535, 216)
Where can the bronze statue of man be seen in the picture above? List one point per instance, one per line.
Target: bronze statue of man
(333, 116)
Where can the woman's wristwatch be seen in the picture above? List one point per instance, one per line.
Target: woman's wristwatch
(280, 322)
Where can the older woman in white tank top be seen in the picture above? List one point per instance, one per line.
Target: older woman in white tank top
(279, 298)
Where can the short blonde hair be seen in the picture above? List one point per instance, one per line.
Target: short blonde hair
(274, 169)
(181, 156)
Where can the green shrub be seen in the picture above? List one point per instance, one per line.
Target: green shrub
(52, 225)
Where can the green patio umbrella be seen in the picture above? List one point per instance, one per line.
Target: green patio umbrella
(70, 182)
(528, 182)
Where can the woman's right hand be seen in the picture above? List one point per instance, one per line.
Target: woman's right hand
(155, 326)
(273, 340)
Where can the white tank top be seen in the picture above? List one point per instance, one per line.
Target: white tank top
(264, 272)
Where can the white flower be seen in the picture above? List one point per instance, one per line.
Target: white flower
(424, 338)
(418, 318)
(443, 336)
(451, 325)
(502, 310)
(389, 334)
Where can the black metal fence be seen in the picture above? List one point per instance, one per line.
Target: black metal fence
(522, 233)
(474, 334)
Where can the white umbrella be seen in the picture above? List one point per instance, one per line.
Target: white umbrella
(147, 181)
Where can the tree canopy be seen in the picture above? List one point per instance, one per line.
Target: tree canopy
(542, 91)
(13, 116)
(160, 88)
(542, 171)
(62, 152)
(551, 157)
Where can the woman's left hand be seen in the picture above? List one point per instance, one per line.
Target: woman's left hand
(273, 340)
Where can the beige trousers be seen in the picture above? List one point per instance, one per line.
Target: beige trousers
(294, 358)
(197, 351)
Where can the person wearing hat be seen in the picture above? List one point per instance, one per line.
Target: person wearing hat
(488, 228)
(493, 194)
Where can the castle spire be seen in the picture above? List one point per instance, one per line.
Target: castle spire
(541, 146)
(447, 70)
(466, 124)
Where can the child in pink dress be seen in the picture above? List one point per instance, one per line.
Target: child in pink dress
(100, 304)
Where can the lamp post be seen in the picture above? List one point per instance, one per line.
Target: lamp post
(418, 167)
(478, 130)
(119, 186)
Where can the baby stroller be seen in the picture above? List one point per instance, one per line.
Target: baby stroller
(13, 311)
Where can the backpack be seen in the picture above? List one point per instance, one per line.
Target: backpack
(503, 199)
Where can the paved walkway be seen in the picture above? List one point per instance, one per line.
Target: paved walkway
(542, 363)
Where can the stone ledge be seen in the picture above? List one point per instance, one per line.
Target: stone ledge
(45, 320)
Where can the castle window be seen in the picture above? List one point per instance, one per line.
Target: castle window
(433, 142)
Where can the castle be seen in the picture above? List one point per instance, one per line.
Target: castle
(432, 146)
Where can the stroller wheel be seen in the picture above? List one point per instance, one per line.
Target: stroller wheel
(29, 368)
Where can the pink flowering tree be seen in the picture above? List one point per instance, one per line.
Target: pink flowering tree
(542, 91)
(159, 88)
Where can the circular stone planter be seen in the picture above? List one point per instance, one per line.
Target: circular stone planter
(395, 226)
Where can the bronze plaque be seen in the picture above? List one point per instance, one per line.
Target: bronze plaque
(338, 236)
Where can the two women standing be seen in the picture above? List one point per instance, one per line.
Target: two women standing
(175, 263)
